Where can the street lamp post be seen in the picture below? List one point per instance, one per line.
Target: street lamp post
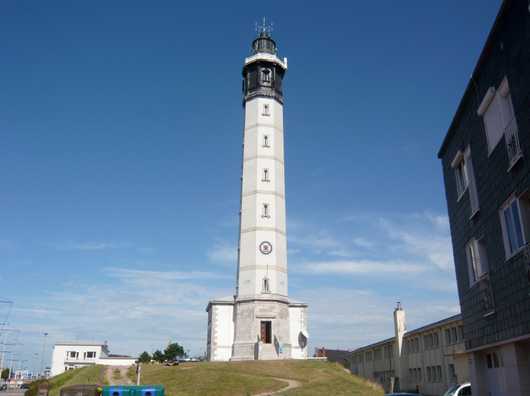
(42, 355)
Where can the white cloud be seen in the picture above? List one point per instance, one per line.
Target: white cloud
(363, 242)
(350, 318)
(430, 243)
(363, 267)
(134, 310)
(89, 246)
(223, 252)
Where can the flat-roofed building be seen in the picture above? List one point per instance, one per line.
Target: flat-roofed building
(429, 359)
(71, 355)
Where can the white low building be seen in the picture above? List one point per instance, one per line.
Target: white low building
(72, 355)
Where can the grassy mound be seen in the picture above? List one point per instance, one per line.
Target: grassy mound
(86, 375)
(250, 378)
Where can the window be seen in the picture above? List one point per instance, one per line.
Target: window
(266, 288)
(378, 354)
(451, 373)
(90, 355)
(448, 336)
(498, 115)
(459, 165)
(72, 355)
(266, 110)
(514, 219)
(493, 360)
(266, 76)
(265, 211)
(429, 374)
(438, 373)
(476, 260)
(265, 175)
(369, 356)
(266, 141)
(435, 340)
(460, 333)
(465, 178)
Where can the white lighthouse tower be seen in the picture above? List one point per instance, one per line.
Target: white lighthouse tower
(259, 321)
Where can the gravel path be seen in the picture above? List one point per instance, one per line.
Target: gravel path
(291, 384)
(124, 378)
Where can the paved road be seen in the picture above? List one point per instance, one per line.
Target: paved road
(12, 392)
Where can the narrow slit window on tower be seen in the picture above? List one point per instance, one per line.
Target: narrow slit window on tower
(266, 141)
(266, 110)
(266, 286)
(265, 175)
(265, 212)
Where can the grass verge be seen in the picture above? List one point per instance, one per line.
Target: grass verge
(249, 378)
(86, 375)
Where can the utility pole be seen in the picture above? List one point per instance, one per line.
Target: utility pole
(42, 355)
(4, 322)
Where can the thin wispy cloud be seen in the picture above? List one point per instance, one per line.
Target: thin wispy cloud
(362, 267)
(223, 253)
(88, 246)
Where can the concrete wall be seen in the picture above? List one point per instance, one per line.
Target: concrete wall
(221, 333)
(298, 325)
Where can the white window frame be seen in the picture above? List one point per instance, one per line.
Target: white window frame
(461, 176)
(477, 261)
(501, 100)
(506, 237)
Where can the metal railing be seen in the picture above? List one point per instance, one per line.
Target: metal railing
(511, 136)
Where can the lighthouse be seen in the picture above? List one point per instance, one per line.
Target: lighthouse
(260, 322)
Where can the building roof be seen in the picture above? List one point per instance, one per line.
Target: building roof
(481, 59)
(430, 326)
(112, 356)
(422, 329)
(78, 343)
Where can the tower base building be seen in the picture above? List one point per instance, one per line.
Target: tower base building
(260, 322)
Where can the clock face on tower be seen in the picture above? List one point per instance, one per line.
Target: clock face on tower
(265, 247)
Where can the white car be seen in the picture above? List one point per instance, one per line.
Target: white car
(459, 390)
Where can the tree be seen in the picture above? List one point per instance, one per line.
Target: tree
(144, 357)
(5, 374)
(173, 351)
(158, 356)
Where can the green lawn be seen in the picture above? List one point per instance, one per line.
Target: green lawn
(248, 378)
(87, 375)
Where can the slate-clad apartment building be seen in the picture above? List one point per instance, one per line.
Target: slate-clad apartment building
(486, 165)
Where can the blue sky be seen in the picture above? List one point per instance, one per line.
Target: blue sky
(121, 128)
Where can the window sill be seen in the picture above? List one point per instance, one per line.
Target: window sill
(461, 195)
(488, 314)
(516, 252)
(514, 162)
